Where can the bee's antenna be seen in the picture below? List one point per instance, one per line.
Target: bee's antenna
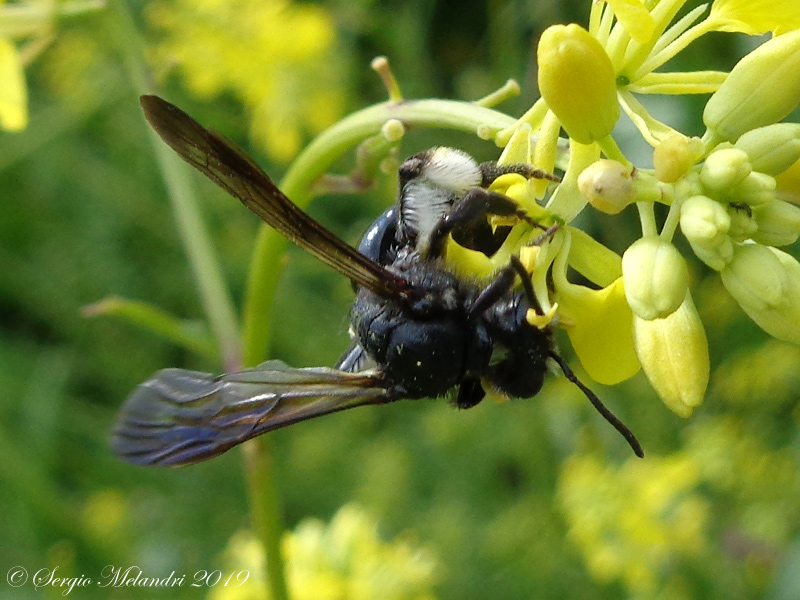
(600, 407)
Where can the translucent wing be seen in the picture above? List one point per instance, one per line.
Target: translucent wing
(182, 417)
(235, 172)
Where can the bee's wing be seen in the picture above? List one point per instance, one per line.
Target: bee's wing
(235, 172)
(182, 417)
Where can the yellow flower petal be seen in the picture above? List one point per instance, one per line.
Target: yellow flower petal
(601, 331)
(635, 18)
(755, 17)
(13, 93)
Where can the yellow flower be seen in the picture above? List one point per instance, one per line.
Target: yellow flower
(600, 328)
(343, 559)
(755, 17)
(277, 57)
(13, 93)
(634, 522)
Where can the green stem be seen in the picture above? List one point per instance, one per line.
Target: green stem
(205, 265)
(647, 218)
(266, 511)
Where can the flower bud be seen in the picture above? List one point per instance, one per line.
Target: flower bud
(778, 223)
(705, 223)
(755, 189)
(674, 356)
(772, 149)
(577, 81)
(723, 169)
(393, 130)
(607, 185)
(766, 284)
(754, 278)
(761, 89)
(674, 156)
(656, 278)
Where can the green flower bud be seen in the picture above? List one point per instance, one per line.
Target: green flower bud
(607, 185)
(674, 156)
(772, 149)
(754, 190)
(578, 82)
(674, 356)
(755, 278)
(766, 284)
(761, 89)
(393, 130)
(778, 223)
(706, 223)
(724, 169)
(655, 277)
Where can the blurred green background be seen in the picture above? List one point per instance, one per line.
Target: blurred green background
(530, 499)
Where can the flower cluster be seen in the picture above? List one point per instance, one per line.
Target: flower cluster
(639, 522)
(729, 192)
(344, 559)
(269, 55)
(635, 522)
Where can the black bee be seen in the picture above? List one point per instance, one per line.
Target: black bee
(418, 330)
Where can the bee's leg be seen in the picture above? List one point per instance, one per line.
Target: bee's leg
(491, 171)
(468, 216)
(470, 393)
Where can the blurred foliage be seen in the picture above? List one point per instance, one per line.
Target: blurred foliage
(534, 498)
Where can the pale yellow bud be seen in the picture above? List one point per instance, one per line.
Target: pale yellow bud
(778, 223)
(763, 88)
(674, 356)
(674, 156)
(772, 149)
(755, 189)
(724, 169)
(766, 284)
(706, 223)
(607, 185)
(655, 276)
(755, 278)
